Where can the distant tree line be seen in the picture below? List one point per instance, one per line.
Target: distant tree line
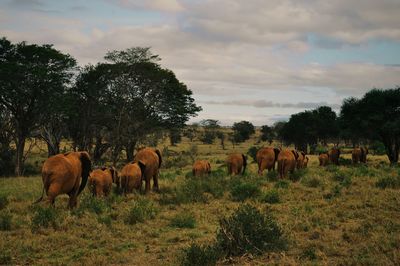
(110, 106)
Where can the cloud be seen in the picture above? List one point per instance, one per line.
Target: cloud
(267, 104)
(158, 5)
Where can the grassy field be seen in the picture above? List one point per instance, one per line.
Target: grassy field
(346, 215)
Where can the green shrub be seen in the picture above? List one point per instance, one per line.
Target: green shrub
(252, 152)
(378, 148)
(271, 196)
(5, 221)
(249, 231)
(183, 220)
(282, 184)
(272, 176)
(197, 255)
(332, 168)
(105, 219)
(142, 210)
(389, 182)
(297, 174)
(243, 191)
(3, 201)
(92, 204)
(45, 217)
(344, 161)
(311, 181)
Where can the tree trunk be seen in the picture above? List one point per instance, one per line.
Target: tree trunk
(392, 150)
(20, 155)
(130, 149)
(53, 148)
(99, 149)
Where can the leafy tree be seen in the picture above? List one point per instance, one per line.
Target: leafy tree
(210, 127)
(175, 136)
(221, 137)
(6, 136)
(242, 131)
(191, 131)
(30, 76)
(267, 133)
(377, 118)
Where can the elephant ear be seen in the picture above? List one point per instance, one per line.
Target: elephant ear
(276, 151)
(159, 157)
(296, 155)
(142, 166)
(244, 163)
(86, 165)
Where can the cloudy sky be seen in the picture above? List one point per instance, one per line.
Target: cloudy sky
(250, 60)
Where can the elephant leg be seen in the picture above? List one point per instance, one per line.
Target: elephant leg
(147, 185)
(155, 183)
(72, 199)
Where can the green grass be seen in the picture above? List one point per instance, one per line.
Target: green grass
(183, 220)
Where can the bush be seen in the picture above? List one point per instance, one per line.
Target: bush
(297, 174)
(378, 148)
(252, 152)
(45, 217)
(271, 197)
(183, 220)
(92, 204)
(141, 210)
(3, 201)
(311, 181)
(389, 182)
(249, 231)
(106, 220)
(5, 221)
(197, 255)
(243, 191)
(272, 176)
(282, 184)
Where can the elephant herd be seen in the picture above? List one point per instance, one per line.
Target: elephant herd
(68, 173)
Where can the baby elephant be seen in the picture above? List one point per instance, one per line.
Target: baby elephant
(100, 181)
(132, 176)
(323, 159)
(201, 168)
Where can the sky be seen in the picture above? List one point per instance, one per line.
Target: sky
(253, 60)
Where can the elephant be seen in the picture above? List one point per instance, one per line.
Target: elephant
(300, 162)
(101, 180)
(359, 155)
(65, 174)
(151, 158)
(132, 176)
(287, 162)
(201, 168)
(334, 155)
(305, 163)
(236, 163)
(323, 159)
(266, 158)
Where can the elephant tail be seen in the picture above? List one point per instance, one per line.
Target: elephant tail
(281, 168)
(86, 168)
(41, 197)
(45, 186)
(159, 157)
(244, 163)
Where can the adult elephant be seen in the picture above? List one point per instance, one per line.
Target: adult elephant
(301, 160)
(132, 176)
(236, 163)
(65, 174)
(151, 158)
(334, 155)
(266, 158)
(101, 180)
(201, 168)
(359, 155)
(323, 159)
(287, 162)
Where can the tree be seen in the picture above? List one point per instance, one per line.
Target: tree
(210, 127)
(221, 137)
(242, 131)
(6, 136)
(191, 131)
(175, 136)
(30, 75)
(377, 118)
(267, 134)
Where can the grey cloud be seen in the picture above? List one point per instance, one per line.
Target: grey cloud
(267, 104)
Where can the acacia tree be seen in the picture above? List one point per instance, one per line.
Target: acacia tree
(30, 75)
(242, 131)
(267, 134)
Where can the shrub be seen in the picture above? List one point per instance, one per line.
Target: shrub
(272, 176)
(332, 168)
(45, 217)
(389, 182)
(249, 231)
(311, 181)
(3, 201)
(92, 204)
(271, 196)
(243, 191)
(106, 220)
(183, 220)
(378, 148)
(5, 221)
(141, 210)
(282, 184)
(252, 152)
(197, 255)
(297, 174)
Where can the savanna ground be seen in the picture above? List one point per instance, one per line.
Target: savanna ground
(346, 215)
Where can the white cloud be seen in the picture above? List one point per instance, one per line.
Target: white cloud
(159, 5)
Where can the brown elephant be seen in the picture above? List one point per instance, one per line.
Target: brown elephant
(305, 163)
(101, 180)
(236, 163)
(266, 158)
(132, 176)
(287, 162)
(65, 174)
(201, 168)
(300, 162)
(359, 155)
(323, 159)
(151, 158)
(334, 155)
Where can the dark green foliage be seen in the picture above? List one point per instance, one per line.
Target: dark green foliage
(5, 221)
(45, 217)
(197, 255)
(272, 176)
(271, 196)
(282, 184)
(249, 231)
(297, 174)
(378, 148)
(252, 152)
(3, 201)
(267, 133)
(243, 191)
(389, 182)
(344, 161)
(92, 204)
(210, 132)
(183, 220)
(142, 210)
(242, 131)
(175, 136)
